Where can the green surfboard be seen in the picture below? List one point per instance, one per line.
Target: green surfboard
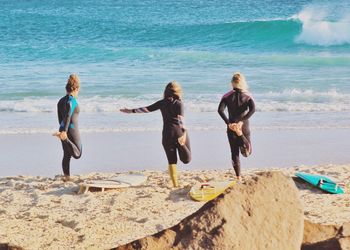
(321, 182)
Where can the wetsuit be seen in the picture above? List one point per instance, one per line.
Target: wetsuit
(172, 112)
(68, 112)
(240, 107)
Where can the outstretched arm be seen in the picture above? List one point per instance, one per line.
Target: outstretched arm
(155, 106)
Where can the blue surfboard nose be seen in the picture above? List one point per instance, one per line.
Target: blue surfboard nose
(322, 182)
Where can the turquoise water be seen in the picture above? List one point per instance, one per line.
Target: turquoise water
(295, 55)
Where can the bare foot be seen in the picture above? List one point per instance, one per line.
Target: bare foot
(239, 178)
(61, 135)
(239, 128)
(182, 139)
(66, 178)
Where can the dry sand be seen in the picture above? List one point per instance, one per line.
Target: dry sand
(44, 213)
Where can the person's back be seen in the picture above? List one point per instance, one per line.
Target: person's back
(240, 106)
(68, 112)
(172, 113)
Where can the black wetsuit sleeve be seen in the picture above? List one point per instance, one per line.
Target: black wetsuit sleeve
(59, 114)
(67, 116)
(221, 111)
(153, 107)
(251, 106)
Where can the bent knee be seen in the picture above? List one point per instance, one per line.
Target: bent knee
(77, 156)
(187, 160)
(246, 153)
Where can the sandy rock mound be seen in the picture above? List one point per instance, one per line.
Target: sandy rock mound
(263, 213)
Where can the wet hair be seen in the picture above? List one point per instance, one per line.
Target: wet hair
(73, 83)
(238, 81)
(173, 89)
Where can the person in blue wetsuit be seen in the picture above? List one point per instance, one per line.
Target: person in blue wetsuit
(241, 107)
(68, 113)
(175, 137)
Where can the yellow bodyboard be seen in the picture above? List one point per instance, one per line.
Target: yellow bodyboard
(209, 190)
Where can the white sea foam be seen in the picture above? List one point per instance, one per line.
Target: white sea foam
(320, 27)
(300, 107)
(284, 101)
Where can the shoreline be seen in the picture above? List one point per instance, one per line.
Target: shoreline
(41, 212)
(41, 154)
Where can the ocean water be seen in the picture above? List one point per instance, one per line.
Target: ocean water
(295, 55)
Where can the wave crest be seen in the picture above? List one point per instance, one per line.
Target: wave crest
(320, 27)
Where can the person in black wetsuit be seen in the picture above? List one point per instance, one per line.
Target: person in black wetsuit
(175, 136)
(68, 112)
(240, 107)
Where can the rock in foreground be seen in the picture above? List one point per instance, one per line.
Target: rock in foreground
(263, 213)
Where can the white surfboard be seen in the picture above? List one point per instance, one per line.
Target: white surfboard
(121, 181)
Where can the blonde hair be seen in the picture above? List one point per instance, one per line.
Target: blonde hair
(238, 81)
(173, 89)
(73, 83)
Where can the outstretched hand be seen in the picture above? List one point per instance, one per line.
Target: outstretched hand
(125, 110)
(232, 126)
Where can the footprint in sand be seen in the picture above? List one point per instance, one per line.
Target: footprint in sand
(56, 200)
(42, 217)
(142, 220)
(81, 238)
(68, 223)
(159, 227)
(10, 183)
(106, 210)
(143, 196)
(110, 202)
(35, 198)
(22, 186)
(81, 210)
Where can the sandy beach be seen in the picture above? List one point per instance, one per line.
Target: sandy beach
(45, 213)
